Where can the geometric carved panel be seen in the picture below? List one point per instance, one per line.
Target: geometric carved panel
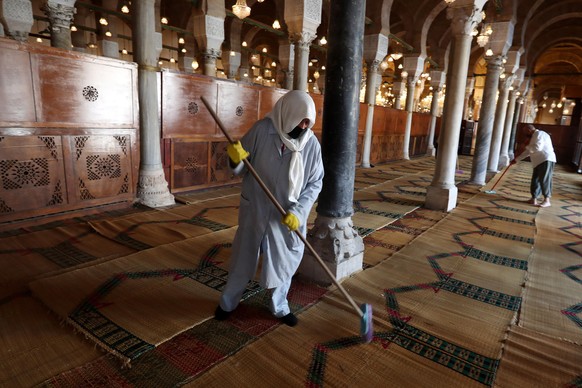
(102, 165)
(31, 173)
(190, 163)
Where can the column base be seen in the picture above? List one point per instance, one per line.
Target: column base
(440, 198)
(431, 151)
(152, 189)
(338, 245)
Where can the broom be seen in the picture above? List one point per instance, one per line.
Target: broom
(492, 191)
(365, 310)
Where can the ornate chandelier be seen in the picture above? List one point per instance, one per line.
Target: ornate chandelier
(240, 9)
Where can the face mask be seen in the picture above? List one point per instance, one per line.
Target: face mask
(296, 132)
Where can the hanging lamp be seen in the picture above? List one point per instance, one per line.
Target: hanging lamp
(240, 9)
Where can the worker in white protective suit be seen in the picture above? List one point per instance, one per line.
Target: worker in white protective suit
(543, 158)
(287, 157)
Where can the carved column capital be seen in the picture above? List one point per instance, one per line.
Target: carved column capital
(60, 15)
(211, 54)
(495, 62)
(302, 39)
(464, 19)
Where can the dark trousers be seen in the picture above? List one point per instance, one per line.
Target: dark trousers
(541, 180)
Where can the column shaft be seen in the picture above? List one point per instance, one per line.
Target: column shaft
(504, 154)
(486, 119)
(371, 87)
(411, 83)
(333, 233)
(434, 107)
(498, 126)
(152, 186)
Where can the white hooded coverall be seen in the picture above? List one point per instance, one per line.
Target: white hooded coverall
(259, 223)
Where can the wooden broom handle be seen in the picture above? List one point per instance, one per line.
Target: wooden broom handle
(283, 211)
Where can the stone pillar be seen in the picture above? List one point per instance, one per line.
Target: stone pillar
(437, 80)
(371, 90)
(397, 89)
(209, 33)
(287, 60)
(60, 14)
(514, 121)
(414, 66)
(505, 109)
(442, 192)
(504, 154)
(375, 49)
(301, 41)
(499, 124)
(231, 63)
(1, 29)
(16, 15)
(486, 118)
(152, 188)
(333, 235)
(302, 18)
(468, 92)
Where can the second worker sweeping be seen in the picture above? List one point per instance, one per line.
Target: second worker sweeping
(286, 154)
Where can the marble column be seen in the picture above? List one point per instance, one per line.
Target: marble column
(152, 188)
(397, 89)
(371, 90)
(333, 235)
(486, 119)
(209, 33)
(302, 18)
(504, 154)
(287, 61)
(499, 125)
(375, 49)
(409, 107)
(516, 115)
(60, 15)
(437, 80)
(442, 192)
(414, 66)
(231, 63)
(16, 15)
(301, 41)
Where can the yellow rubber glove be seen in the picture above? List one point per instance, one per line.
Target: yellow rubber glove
(291, 221)
(236, 152)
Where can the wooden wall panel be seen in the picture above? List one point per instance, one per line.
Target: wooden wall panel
(268, 99)
(362, 118)
(16, 92)
(183, 112)
(100, 167)
(318, 100)
(238, 107)
(420, 124)
(32, 174)
(81, 91)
